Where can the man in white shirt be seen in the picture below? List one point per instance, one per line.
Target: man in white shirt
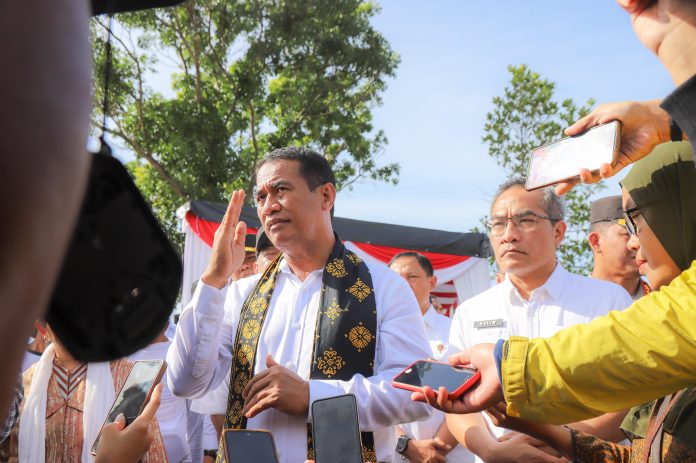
(537, 298)
(427, 441)
(295, 196)
(613, 260)
(172, 413)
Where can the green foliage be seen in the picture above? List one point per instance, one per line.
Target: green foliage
(249, 76)
(525, 117)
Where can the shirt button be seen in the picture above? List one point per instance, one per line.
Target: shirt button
(297, 326)
(290, 366)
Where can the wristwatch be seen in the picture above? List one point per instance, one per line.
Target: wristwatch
(402, 445)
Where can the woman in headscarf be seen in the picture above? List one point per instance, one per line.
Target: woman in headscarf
(659, 200)
(65, 404)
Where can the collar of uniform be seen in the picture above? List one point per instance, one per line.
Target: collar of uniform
(430, 316)
(553, 286)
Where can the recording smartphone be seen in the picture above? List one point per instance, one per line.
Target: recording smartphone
(562, 160)
(248, 445)
(336, 431)
(456, 379)
(135, 392)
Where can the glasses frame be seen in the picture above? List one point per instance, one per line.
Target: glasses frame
(489, 226)
(630, 223)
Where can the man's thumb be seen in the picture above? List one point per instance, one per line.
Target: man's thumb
(270, 362)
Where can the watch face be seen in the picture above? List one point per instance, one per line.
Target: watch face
(402, 444)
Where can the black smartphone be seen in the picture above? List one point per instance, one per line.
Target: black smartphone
(456, 379)
(562, 160)
(336, 431)
(248, 446)
(135, 392)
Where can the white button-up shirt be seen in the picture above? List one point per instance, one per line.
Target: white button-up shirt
(565, 299)
(437, 329)
(201, 353)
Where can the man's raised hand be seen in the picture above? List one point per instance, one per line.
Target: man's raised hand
(228, 245)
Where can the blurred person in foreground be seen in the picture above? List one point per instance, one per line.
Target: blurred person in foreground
(552, 379)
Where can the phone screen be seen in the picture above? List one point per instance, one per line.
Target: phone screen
(435, 375)
(134, 392)
(244, 446)
(563, 159)
(336, 431)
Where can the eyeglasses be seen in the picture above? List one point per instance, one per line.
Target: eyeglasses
(525, 222)
(629, 215)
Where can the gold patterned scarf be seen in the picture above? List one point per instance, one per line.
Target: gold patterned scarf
(345, 333)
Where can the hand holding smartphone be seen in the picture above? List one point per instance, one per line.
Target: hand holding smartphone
(455, 378)
(562, 160)
(135, 393)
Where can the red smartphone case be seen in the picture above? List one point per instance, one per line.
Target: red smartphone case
(450, 394)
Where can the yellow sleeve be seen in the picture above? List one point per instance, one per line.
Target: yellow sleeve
(616, 361)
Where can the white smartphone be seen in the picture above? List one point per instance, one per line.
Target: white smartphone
(562, 160)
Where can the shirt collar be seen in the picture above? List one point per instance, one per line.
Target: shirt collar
(284, 267)
(430, 316)
(553, 286)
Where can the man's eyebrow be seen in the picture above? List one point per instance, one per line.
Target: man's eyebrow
(528, 211)
(278, 183)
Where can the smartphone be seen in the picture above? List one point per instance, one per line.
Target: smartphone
(562, 160)
(135, 392)
(248, 445)
(336, 431)
(456, 379)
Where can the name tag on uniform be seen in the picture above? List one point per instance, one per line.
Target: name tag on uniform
(488, 323)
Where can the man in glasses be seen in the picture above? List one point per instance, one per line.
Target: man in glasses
(608, 238)
(537, 297)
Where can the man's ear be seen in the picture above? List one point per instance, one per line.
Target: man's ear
(559, 230)
(433, 282)
(328, 196)
(594, 238)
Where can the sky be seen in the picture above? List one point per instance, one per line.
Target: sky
(454, 58)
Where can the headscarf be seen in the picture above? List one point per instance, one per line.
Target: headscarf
(663, 186)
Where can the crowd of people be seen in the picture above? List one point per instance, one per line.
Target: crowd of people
(585, 368)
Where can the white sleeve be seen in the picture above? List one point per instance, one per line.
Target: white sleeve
(213, 402)
(401, 340)
(201, 352)
(457, 337)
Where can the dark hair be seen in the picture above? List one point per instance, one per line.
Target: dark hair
(423, 261)
(313, 166)
(551, 203)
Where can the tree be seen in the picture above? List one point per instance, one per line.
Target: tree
(525, 117)
(250, 76)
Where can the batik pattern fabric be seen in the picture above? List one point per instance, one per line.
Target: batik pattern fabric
(345, 333)
(676, 440)
(64, 411)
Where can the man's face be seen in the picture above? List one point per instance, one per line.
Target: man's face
(248, 268)
(613, 251)
(292, 216)
(421, 284)
(525, 251)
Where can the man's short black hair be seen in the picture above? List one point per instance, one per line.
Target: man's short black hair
(313, 166)
(423, 261)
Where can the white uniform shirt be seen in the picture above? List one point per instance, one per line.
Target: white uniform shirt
(437, 329)
(172, 413)
(200, 356)
(565, 299)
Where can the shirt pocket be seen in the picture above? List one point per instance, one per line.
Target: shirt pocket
(488, 335)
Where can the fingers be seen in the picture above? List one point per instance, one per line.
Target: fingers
(497, 417)
(565, 187)
(460, 358)
(234, 209)
(260, 402)
(240, 233)
(583, 124)
(270, 362)
(439, 444)
(152, 405)
(256, 383)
